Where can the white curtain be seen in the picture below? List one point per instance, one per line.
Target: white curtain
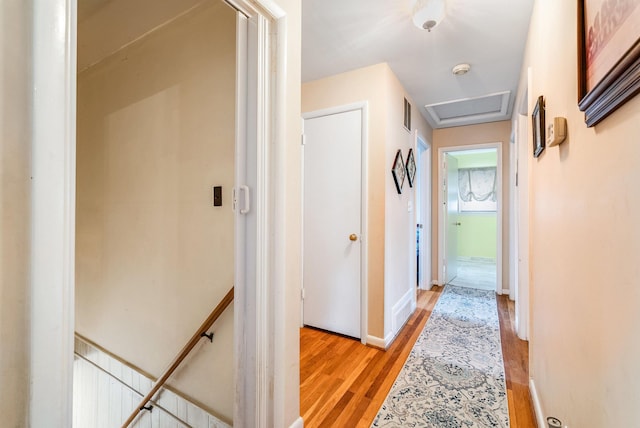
(477, 184)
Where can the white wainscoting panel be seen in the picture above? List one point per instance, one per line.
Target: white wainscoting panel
(401, 311)
(105, 392)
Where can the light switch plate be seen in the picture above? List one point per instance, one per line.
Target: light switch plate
(217, 196)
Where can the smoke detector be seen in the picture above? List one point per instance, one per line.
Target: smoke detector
(461, 69)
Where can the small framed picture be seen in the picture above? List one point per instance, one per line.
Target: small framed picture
(398, 171)
(411, 168)
(537, 119)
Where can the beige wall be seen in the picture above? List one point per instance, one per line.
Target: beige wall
(585, 242)
(153, 256)
(15, 207)
(495, 132)
(400, 270)
(378, 86)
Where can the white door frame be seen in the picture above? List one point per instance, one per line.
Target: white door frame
(521, 210)
(363, 106)
(442, 207)
(424, 186)
(259, 340)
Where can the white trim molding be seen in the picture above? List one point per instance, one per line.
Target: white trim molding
(260, 309)
(537, 407)
(298, 423)
(52, 258)
(378, 342)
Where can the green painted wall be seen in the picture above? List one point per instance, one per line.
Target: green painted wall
(477, 235)
(477, 232)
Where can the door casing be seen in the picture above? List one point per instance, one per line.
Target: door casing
(441, 207)
(423, 151)
(259, 340)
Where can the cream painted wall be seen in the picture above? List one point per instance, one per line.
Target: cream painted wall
(15, 209)
(106, 26)
(364, 84)
(495, 132)
(154, 257)
(400, 270)
(585, 241)
(378, 86)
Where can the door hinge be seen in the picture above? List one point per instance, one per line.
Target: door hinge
(302, 293)
(303, 139)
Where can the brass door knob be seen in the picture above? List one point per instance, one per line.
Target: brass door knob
(353, 237)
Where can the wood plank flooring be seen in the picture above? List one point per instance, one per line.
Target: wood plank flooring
(344, 383)
(516, 366)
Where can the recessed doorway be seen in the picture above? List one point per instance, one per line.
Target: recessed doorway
(470, 222)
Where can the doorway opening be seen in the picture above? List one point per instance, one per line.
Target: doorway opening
(470, 220)
(259, 393)
(155, 225)
(423, 214)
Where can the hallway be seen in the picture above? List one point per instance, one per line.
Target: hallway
(344, 383)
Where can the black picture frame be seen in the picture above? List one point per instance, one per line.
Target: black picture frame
(616, 79)
(537, 124)
(398, 171)
(411, 167)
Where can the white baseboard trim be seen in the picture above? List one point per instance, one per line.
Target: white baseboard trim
(537, 407)
(298, 423)
(402, 310)
(379, 342)
(505, 291)
(435, 282)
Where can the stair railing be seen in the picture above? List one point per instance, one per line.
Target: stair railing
(202, 332)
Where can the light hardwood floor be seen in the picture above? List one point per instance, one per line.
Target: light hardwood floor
(343, 383)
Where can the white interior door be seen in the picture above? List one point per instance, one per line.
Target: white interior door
(332, 222)
(451, 218)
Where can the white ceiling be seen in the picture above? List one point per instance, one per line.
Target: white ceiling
(342, 35)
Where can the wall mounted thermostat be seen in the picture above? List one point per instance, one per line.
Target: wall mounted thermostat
(556, 131)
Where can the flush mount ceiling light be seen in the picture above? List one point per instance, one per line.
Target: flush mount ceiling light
(461, 69)
(427, 14)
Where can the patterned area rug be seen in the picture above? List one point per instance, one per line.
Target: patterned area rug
(454, 376)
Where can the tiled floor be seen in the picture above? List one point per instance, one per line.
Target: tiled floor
(476, 273)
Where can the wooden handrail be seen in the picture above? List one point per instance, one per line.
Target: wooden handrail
(224, 303)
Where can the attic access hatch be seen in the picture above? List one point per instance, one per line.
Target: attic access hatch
(468, 111)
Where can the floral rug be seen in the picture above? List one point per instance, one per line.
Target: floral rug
(454, 375)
